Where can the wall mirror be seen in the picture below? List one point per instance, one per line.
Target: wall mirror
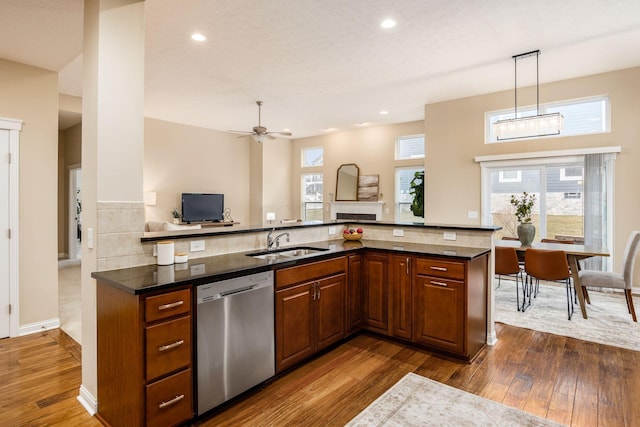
(347, 182)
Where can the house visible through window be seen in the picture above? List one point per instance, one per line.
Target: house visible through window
(311, 186)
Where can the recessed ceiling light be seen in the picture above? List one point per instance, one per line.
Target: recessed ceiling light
(198, 37)
(286, 130)
(383, 112)
(328, 129)
(388, 23)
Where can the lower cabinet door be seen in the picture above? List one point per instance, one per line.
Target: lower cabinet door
(330, 297)
(439, 314)
(169, 400)
(295, 325)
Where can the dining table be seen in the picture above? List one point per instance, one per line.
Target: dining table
(575, 253)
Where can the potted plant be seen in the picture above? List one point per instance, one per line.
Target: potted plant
(416, 189)
(524, 207)
(176, 215)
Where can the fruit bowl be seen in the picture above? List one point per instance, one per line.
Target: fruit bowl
(353, 236)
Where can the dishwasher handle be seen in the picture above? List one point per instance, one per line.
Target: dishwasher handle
(237, 291)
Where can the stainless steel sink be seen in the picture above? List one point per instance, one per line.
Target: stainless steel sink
(294, 252)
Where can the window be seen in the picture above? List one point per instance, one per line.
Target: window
(312, 156)
(580, 116)
(312, 206)
(573, 198)
(410, 147)
(403, 197)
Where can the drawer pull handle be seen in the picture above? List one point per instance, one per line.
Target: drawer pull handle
(433, 282)
(439, 268)
(170, 305)
(170, 346)
(171, 402)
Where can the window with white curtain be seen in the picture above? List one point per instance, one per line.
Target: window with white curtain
(573, 198)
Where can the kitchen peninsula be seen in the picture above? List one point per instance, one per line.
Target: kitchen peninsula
(401, 281)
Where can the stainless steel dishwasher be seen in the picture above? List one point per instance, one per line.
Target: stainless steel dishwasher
(235, 337)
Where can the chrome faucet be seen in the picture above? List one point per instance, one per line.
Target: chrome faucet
(271, 241)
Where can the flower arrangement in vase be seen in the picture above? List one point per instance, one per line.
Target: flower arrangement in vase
(524, 207)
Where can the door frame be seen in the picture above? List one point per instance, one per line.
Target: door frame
(73, 248)
(14, 127)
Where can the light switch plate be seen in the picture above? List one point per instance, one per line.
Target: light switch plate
(472, 214)
(449, 236)
(332, 230)
(196, 245)
(398, 232)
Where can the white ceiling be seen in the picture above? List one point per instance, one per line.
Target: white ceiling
(328, 64)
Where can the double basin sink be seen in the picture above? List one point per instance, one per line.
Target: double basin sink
(283, 253)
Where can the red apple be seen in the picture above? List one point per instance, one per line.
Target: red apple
(359, 230)
(346, 231)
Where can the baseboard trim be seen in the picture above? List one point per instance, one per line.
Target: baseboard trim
(492, 338)
(87, 400)
(36, 327)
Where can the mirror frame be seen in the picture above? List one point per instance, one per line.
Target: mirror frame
(347, 194)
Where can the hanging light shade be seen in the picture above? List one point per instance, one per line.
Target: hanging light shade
(531, 126)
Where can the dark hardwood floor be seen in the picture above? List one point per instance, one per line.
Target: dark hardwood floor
(566, 380)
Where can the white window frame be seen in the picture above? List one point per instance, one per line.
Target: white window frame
(404, 137)
(303, 202)
(396, 191)
(302, 152)
(606, 117)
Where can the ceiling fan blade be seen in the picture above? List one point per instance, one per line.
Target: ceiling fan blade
(280, 133)
(269, 136)
(246, 132)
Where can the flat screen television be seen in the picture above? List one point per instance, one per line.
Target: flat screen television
(201, 207)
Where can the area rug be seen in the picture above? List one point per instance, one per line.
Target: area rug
(609, 321)
(419, 401)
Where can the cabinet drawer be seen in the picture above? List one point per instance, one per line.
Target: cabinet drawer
(169, 401)
(311, 271)
(168, 347)
(167, 305)
(440, 268)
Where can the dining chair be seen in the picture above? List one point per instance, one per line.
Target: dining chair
(568, 242)
(548, 265)
(624, 280)
(506, 264)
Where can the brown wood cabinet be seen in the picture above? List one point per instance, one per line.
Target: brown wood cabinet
(309, 309)
(450, 304)
(400, 290)
(355, 303)
(376, 292)
(144, 356)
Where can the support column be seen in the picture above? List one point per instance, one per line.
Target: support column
(112, 151)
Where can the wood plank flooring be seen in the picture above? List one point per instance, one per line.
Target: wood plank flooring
(573, 382)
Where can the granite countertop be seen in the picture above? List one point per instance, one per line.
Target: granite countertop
(198, 271)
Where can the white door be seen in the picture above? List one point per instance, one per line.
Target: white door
(4, 235)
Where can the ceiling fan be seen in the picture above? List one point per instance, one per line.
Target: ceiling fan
(260, 132)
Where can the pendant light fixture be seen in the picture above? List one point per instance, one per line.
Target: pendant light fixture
(531, 126)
